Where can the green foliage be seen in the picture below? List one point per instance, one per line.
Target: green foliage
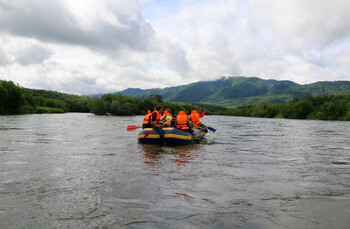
(333, 107)
(238, 91)
(297, 109)
(157, 98)
(265, 110)
(117, 104)
(98, 107)
(11, 98)
(57, 103)
(347, 117)
(17, 100)
(42, 110)
(66, 102)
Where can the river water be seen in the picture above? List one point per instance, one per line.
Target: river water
(85, 171)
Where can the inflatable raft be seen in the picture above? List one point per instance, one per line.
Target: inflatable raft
(171, 136)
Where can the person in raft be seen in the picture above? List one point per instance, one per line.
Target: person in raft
(195, 118)
(155, 121)
(147, 120)
(182, 121)
(167, 117)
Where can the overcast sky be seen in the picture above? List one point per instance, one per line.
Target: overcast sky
(99, 46)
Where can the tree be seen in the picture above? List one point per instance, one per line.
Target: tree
(11, 97)
(265, 110)
(158, 98)
(98, 107)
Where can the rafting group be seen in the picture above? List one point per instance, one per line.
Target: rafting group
(171, 129)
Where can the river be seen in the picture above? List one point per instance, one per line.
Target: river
(85, 171)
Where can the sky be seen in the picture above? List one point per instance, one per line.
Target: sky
(101, 46)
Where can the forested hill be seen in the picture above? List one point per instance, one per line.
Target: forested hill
(18, 100)
(15, 99)
(232, 91)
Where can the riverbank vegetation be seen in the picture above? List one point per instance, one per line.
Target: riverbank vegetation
(117, 104)
(327, 107)
(17, 100)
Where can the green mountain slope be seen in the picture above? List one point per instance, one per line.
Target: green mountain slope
(232, 91)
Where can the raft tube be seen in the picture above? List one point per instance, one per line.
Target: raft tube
(171, 136)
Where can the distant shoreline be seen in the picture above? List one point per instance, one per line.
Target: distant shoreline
(15, 100)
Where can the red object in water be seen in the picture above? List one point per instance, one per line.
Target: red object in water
(132, 127)
(182, 194)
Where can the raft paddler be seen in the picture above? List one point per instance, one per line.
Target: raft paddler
(195, 118)
(184, 124)
(152, 118)
(182, 121)
(155, 121)
(156, 116)
(167, 117)
(147, 120)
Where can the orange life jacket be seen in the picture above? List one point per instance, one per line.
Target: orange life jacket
(146, 119)
(195, 118)
(158, 117)
(166, 113)
(182, 121)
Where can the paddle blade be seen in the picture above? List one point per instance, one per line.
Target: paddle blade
(211, 129)
(146, 134)
(132, 127)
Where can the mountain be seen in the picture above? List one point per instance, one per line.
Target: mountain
(233, 91)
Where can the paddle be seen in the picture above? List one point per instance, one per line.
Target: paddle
(146, 134)
(132, 127)
(211, 129)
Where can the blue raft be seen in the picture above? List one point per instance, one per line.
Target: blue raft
(171, 136)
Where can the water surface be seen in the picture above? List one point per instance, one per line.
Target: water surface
(85, 171)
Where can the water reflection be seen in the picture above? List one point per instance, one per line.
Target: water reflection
(180, 155)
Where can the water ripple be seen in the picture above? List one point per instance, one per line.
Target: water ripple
(86, 171)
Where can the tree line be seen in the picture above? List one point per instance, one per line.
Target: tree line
(17, 100)
(117, 104)
(326, 107)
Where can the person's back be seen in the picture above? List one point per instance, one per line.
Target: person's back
(147, 120)
(182, 121)
(194, 117)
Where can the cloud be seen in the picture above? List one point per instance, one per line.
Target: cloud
(263, 38)
(309, 24)
(95, 46)
(101, 25)
(215, 37)
(3, 58)
(22, 51)
(311, 32)
(33, 55)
